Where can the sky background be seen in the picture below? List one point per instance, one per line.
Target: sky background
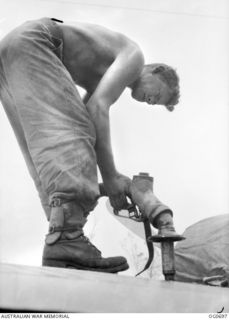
(185, 151)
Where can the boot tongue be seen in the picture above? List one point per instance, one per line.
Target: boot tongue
(70, 235)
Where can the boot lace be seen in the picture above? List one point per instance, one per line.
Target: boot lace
(87, 240)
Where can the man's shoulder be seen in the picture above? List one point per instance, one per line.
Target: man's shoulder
(98, 34)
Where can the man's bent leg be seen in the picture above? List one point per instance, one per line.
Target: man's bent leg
(12, 115)
(57, 129)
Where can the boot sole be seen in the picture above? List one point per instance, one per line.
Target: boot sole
(71, 265)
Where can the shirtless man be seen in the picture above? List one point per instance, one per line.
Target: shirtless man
(63, 138)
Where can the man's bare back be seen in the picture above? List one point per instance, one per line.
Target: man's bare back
(89, 50)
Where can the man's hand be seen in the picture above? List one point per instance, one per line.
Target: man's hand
(117, 188)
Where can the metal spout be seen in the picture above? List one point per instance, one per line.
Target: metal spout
(167, 252)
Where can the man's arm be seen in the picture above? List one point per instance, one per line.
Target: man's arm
(124, 70)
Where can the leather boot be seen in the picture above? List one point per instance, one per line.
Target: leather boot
(66, 246)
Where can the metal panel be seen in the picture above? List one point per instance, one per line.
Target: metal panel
(60, 290)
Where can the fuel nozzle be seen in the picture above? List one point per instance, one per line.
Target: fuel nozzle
(167, 252)
(166, 236)
(160, 216)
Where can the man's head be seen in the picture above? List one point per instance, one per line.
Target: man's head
(157, 84)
